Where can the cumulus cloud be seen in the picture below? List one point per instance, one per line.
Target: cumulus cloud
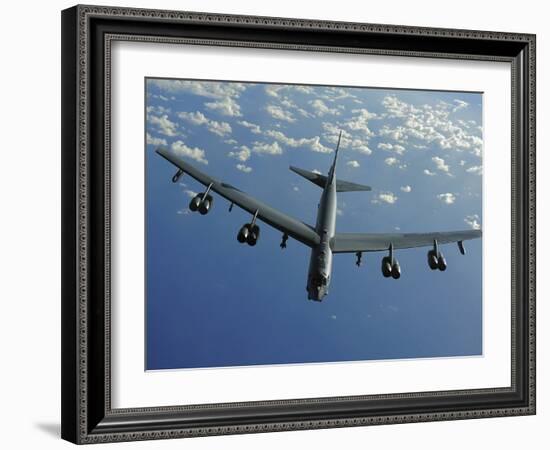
(359, 122)
(348, 140)
(429, 173)
(243, 154)
(440, 164)
(391, 161)
(194, 153)
(210, 89)
(478, 170)
(198, 118)
(189, 193)
(448, 198)
(279, 113)
(427, 124)
(460, 104)
(155, 140)
(226, 106)
(225, 95)
(164, 125)
(320, 108)
(251, 126)
(473, 221)
(387, 197)
(354, 164)
(244, 168)
(399, 149)
(332, 94)
(269, 149)
(313, 143)
(406, 188)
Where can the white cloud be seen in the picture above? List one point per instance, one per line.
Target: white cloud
(348, 140)
(164, 124)
(224, 94)
(440, 164)
(478, 170)
(242, 155)
(399, 149)
(198, 118)
(279, 113)
(270, 149)
(460, 105)
(462, 162)
(406, 188)
(430, 124)
(429, 173)
(473, 221)
(296, 189)
(339, 212)
(332, 94)
(195, 153)
(388, 197)
(158, 110)
(209, 89)
(226, 106)
(155, 140)
(391, 161)
(244, 168)
(360, 121)
(314, 143)
(320, 108)
(251, 126)
(447, 198)
(354, 164)
(190, 193)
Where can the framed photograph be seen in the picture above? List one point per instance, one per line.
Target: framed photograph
(280, 224)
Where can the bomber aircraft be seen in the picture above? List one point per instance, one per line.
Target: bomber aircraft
(323, 239)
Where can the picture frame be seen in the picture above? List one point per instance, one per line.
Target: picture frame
(88, 33)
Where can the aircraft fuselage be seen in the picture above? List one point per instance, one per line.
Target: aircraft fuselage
(320, 262)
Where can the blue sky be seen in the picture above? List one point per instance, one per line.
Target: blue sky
(212, 302)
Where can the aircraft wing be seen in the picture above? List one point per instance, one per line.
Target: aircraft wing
(278, 220)
(374, 242)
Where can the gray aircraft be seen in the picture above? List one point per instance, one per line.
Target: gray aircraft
(323, 239)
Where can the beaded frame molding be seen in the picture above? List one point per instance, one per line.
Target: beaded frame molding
(87, 34)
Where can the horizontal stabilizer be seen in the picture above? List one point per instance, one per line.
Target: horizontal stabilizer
(321, 181)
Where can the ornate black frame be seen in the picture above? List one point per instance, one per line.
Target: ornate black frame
(87, 416)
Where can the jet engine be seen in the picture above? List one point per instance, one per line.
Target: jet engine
(436, 261)
(389, 269)
(432, 259)
(201, 203)
(254, 235)
(441, 263)
(242, 236)
(206, 204)
(249, 233)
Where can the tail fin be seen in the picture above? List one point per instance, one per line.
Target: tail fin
(332, 171)
(321, 181)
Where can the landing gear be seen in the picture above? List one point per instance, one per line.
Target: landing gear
(358, 260)
(283, 241)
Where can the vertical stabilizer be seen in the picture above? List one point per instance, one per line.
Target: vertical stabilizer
(332, 172)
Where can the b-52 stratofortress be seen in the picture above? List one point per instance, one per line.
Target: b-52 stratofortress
(323, 239)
